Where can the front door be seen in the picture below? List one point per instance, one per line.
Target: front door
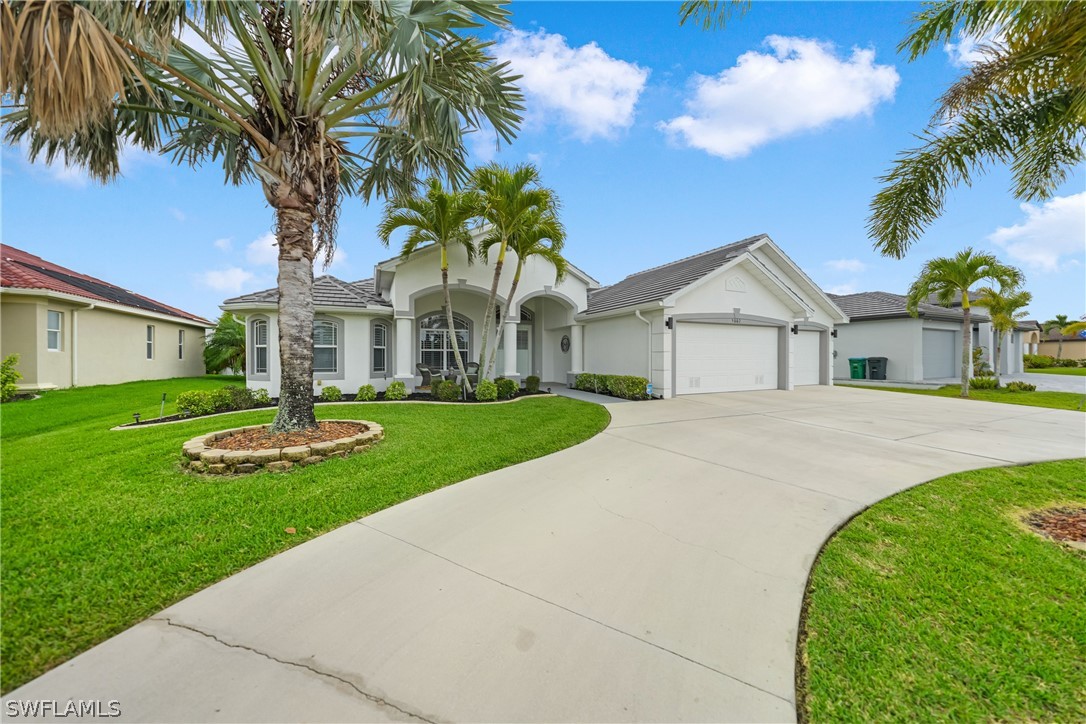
(524, 350)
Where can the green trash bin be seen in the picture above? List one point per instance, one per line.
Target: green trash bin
(857, 367)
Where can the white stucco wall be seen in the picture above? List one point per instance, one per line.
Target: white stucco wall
(899, 340)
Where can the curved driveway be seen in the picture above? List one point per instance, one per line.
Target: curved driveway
(653, 573)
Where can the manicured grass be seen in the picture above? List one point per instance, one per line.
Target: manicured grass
(102, 529)
(1055, 400)
(1073, 371)
(938, 605)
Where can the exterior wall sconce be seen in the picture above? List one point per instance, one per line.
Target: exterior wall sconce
(834, 334)
(795, 329)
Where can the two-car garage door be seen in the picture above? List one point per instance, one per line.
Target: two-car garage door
(725, 358)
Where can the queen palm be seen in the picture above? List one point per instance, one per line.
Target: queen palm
(315, 100)
(1058, 323)
(947, 278)
(541, 234)
(1023, 104)
(508, 197)
(1006, 307)
(439, 218)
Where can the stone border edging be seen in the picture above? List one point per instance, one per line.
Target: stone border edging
(152, 423)
(201, 457)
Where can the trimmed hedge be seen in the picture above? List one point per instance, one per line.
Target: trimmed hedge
(1036, 361)
(486, 391)
(628, 387)
(331, 393)
(506, 388)
(531, 384)
(195, 403)
(447, 391)
(396, 390)
(366, 393)
(261, 396)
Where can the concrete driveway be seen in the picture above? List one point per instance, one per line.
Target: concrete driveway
(653, 573)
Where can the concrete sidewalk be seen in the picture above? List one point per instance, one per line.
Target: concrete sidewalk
(653, 573)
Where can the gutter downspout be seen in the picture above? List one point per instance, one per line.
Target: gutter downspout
(637, 313)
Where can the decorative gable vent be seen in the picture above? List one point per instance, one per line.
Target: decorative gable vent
(735, 284)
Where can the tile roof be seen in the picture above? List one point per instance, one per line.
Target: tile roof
(660, 282)
(328, 291)
(883, 305)
(22, 270)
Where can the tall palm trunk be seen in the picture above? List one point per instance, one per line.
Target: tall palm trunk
(295, 238)
(488, 317)
(501, 327)
(967, 347)
(996, 363)
(449, 317)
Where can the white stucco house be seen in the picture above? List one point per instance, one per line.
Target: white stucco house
(739, 317)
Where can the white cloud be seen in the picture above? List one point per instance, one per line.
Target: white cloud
(228, 281)
(225, 244)
(969, 48)
(849, 288)
(1051, 235)
(848, 265)
(263, 251)
(339, 262)
(177, 214)
(583, 88)
(800, 86)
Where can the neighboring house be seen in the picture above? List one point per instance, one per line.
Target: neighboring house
(72, 329)
(925, 347)
(1074, 345)
(740, 317)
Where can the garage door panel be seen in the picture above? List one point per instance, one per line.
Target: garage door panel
(806, 358)
(725, 358)
(940, 357)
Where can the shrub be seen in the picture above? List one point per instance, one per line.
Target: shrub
(8, 377)
(1019, 386)
(984, 383)
(366, 393)
(1067, 363)
(486, 391)
(261, 396)
(980, 367)
(1036, 361)
(506, 388)
(331, 393)
(232, 397)
(589, 382)
(196, 402)
(396, 390)
(531, 384)
(447, 391)
(627, 386)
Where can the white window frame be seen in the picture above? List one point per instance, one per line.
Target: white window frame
(180, 344)
(150, 341)
(337, 327)
(384, 328)
(59, 330)
(446, 351)
(254, 371)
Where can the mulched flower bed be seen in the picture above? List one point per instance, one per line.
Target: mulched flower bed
(262, 440)
(1066, 524)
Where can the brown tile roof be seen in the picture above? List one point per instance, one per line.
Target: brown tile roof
(328, 291)
(884, 305)
(23, 270)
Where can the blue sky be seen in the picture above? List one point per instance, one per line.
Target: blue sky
(660, 141)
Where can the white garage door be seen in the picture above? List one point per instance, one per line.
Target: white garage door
(940, 355)
(725, 358)
(805, 358)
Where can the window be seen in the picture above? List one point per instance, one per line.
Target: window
(258, 332)
(53, 325)
(325, 346)
(180, 344)
(435, 342)
(150, 341)
(380, 347)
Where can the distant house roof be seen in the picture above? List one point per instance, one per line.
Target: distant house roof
(658, 283)
(23, 270)
(956, 301)
(328, 291)
(883, 305)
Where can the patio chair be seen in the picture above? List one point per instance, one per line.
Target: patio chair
(472, 371)
(429, 375)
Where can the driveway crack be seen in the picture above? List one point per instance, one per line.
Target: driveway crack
(371, 697)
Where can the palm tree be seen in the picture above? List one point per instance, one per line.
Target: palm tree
(945, 278)
(1075, 328)
(439, 218)
(1057, 323)
(710, 14)
(1023, 105)
(225, 347)
(315, 100)
(508, 198)
(1006, 306)
(539, 234)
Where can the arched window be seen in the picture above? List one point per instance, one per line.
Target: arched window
(380, 347)
(258, 336)
(325, 346)
(435, 342)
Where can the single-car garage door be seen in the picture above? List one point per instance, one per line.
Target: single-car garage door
(940, 358)
(805, 358)
(724, 358)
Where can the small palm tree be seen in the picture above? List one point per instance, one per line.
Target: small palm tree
(1057, 324)
(945, 278)
(1006, 307)
(1075, 328)
(225, 348)
(439, 218)
(1021, 105)
(508, 198)
(541, 234)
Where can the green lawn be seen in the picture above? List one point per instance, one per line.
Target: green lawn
(1055, 400)
(102, 529)
(1073, 371)
(938, 605)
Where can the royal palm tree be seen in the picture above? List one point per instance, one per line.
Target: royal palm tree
(440, 218)
(1006, 307)
(314, 100)
(945, 278)
(509, 197)
(1057, 323)
(225, 347)
(1023, 104)
(541, 234)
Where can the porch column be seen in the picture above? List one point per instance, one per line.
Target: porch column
(576, 348)
(405, 357)
(509, 339)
